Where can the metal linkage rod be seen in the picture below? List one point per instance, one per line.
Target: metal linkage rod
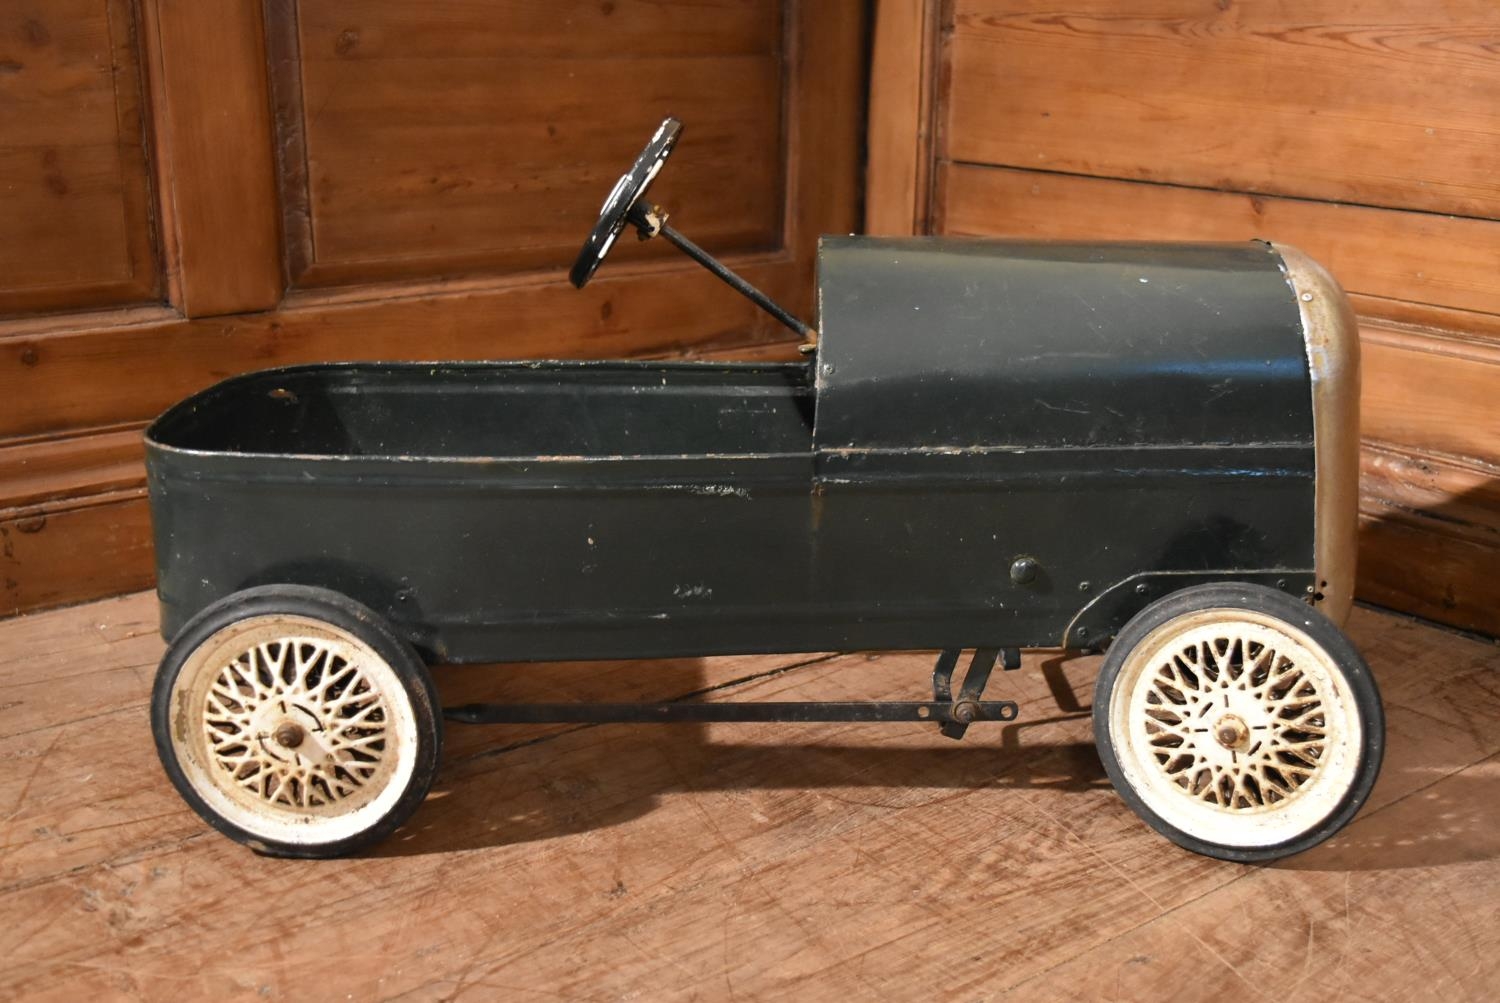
(675, 712)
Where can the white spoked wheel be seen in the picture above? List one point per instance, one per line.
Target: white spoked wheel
(1239, 722)
(297, 724)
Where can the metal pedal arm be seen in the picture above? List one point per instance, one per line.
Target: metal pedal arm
(965, 707)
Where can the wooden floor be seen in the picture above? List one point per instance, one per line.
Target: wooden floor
(738, 862)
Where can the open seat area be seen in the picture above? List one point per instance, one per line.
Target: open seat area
(543, 410)
(755, 861)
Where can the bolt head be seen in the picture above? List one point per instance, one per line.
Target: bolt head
(289, 735)
(1023, 570)
(1231, 732)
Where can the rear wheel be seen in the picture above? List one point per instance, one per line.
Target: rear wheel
(296, 721)
(1238, 722)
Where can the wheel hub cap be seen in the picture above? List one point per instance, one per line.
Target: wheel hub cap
(1234, 722)
(295, 722)
(1231, 732)
(290, 734)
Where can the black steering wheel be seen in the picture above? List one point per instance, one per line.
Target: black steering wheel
(626, 193)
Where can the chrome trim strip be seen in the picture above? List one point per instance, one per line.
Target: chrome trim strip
(1331, 335)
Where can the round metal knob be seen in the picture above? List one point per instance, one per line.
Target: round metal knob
(1231, 731)
(1023, 570)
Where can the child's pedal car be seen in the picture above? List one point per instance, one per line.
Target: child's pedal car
(1145, 449)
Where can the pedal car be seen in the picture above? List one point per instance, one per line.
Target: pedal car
(1144, 449)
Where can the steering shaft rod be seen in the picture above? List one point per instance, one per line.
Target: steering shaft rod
(650, 221)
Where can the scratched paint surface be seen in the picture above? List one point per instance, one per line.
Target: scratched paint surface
(737, 862)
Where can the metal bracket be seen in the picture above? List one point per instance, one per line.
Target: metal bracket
(1108, 612)
(967, 707)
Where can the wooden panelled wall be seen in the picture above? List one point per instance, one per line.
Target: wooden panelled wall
(194, 188)
(1368, 134)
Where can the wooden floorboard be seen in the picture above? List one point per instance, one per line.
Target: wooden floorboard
(728, 862)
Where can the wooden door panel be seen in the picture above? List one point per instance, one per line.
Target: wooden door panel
(380, 180)
(74, 219)
(464, 137)
(541, 29)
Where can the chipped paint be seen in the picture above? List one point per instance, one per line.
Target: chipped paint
(1331, 335)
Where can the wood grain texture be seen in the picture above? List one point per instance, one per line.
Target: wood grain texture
(899, 143)
(1416, 257)
(746, 861)
(47, 550)
(1463, 495)
(69, 380)
(1394, 104)
(1430, 535)
(1412, 562)
(75, 227)
(1430, 482)
(824, 136)
(53, 468)
(216, 170)
(1427, 390)
(459, 137)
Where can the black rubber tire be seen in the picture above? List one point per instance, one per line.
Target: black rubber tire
(1295, 613)
(336, 610)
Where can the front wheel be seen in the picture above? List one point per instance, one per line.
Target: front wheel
(1238, 722)
(296, 721)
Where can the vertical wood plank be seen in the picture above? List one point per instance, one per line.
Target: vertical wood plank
(899, 139)
(823, 129)
(216, 167)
